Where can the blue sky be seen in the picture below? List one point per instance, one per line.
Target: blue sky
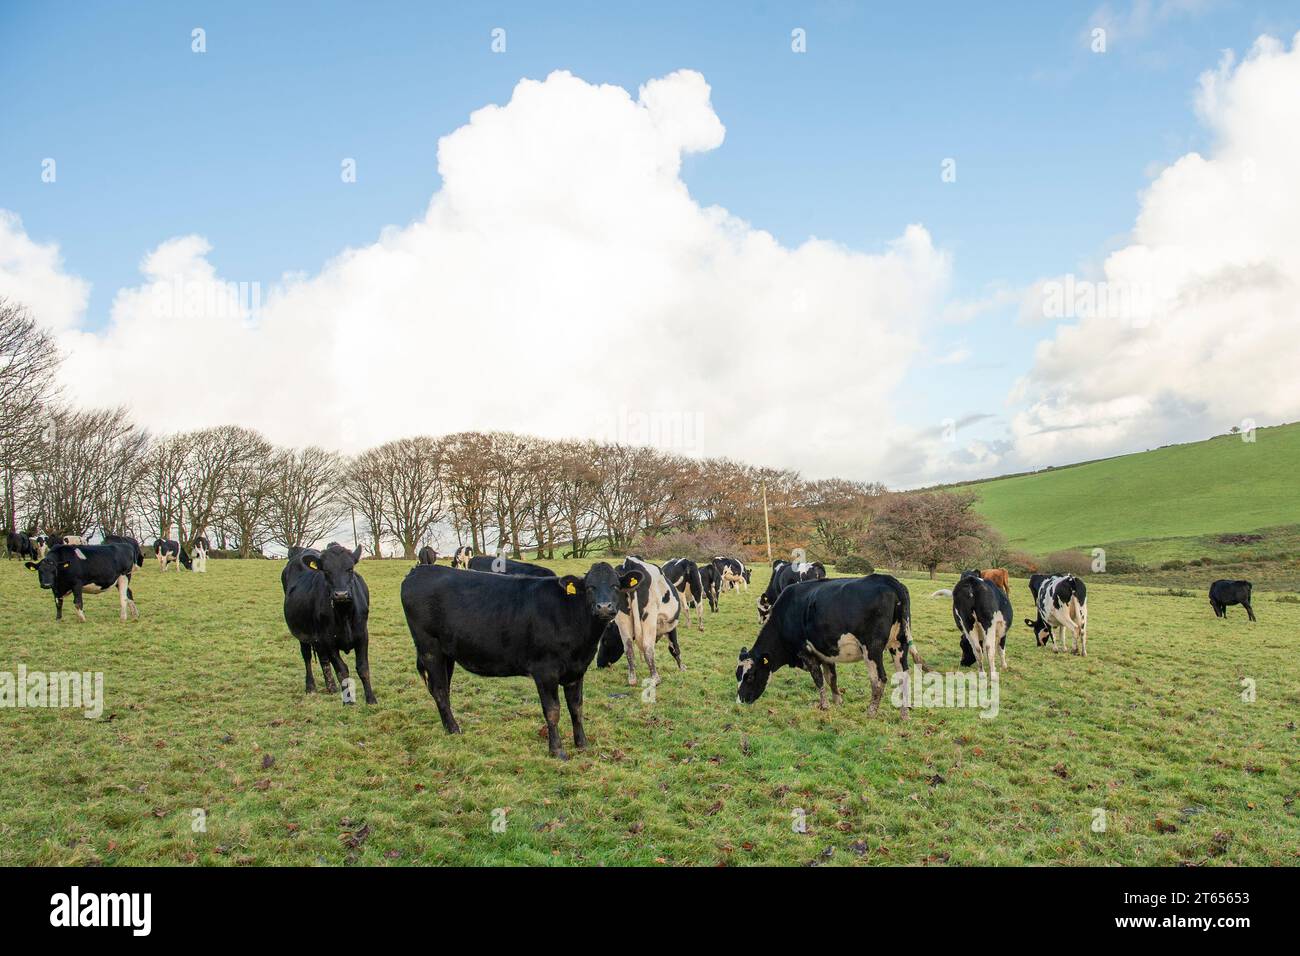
(1053, 143)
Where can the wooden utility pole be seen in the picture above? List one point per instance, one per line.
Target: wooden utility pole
(355, 542)
(767, 528)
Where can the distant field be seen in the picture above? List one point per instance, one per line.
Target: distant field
(205, 711)
(1171, 503)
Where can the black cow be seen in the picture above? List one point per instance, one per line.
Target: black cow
(711, 582)
(169, 551)
(504, 625)
(426, 555)
(733, 573)
(982, 612)
(503, 565)
(131, 544)
(785, 574)
(1062, 604)
(684, 575)
(818, 624)
(1224, 593)
(327, 607)
(79, 569)
(461, 558)
(20, 544)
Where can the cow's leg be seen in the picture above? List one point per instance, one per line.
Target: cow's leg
(573, 697)
(436, 670)
(346, 691)
(58, 608)
(675, 650)
(1002, 643)
(363, 664)
(815, 669)
(1249, 613)
(327, 671)
(76, 601)
(630, 642)
(836, 696)
(904, 683)
(306, 660)
(648, 652)
(546, 690)
(876, 668)
(121, 596)
(130, 599)
(991, 649)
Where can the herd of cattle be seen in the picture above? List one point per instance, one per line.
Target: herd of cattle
(498, 617)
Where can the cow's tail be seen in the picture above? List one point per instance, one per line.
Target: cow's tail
(903, 618)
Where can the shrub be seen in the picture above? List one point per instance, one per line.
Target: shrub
(1288, 599)
(1174, 565)
(704, 543)
(1069, 562)
(854, 564)
(1021, 563)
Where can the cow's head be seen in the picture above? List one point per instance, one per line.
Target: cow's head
(338, 564)
(601, 587)
(1042, 633)
(186, 563)
(752, 672)
(745, 574)
(45, 570)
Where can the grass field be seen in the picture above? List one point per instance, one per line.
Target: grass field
(1170, 503)
(205, 712)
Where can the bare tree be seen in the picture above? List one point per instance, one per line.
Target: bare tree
(365, 489)
(209, 459)
(411, 470)
(83, 453)
(245, 504)
(468, 485)
(304, 506)
(28, 361)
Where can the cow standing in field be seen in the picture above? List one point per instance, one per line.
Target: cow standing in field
(820, 623)
(785, 574)
(87, 569)
(997, 577)
(505, 625)
(503, 565)
(20, 544)
(647, 611)
(684, 575)
(1062, 604)
(327, 607)
(426, 555)
(711, 583)
(169, 552)
(734, 574)
(199, 560)
(982, 612)
(462, 557)
(1224, 593)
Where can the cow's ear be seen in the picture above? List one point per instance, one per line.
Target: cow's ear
(572, 584)
(629, 579)
(1029, 624)
(356, 555)
(311, 562)
(32, 565)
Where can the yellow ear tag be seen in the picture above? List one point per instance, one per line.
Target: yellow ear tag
(765, 662)
(631, 582)
(570, 589)
(66, 564)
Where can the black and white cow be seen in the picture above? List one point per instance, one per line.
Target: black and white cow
(426, 555)
(817, 624)
(733, 572)
(20, 544)
(327, 607)
(684, 575)
(1225, 592)
(503, 565)
(87, 569)
(462, 557)
(785, 574)
(647, 611)
(169, 552)
(1062, 604)
(505, 625)
(199, 559)
(982, 612)
(711, 582)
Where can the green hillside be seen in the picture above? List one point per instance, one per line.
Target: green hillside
(1173, 502)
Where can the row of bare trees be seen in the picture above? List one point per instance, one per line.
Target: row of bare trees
(90, 471)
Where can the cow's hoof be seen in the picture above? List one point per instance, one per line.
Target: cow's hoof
(838, 698)
(559, 755)
(631, 680)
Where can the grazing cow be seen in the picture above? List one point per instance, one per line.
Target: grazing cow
(20, 544)
(733, 572)
(982, 611)
(462, 557)
(817, 624)
(1223, 593)
(87, 569)
(684, 575)
(1062, 604)
(785, 574)
(199, 560)
(327, 607)
(503, 565)
(711, 582)
(168, 552)
(426, 555)
(504, 625)
(647, 611)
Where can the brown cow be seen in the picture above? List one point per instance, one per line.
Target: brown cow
(997, 576)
